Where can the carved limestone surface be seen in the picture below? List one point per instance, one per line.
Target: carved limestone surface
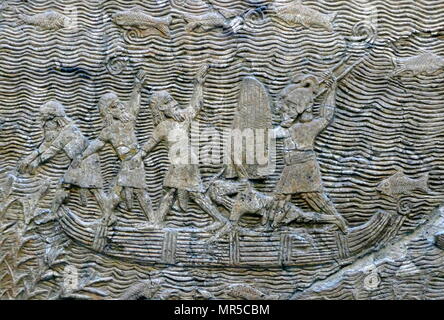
(209, 149)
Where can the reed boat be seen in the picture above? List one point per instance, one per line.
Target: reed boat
(287, 246)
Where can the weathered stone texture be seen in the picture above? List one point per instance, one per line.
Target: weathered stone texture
(124, 173)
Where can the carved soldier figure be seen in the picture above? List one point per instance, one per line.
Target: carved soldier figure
(62, 135)
(173, 126)
(301, 174)
(119, 130)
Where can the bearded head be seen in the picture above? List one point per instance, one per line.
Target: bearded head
(52, 115)
(111, 108)
(163, 106)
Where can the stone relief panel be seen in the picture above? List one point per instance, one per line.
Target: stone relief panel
(210, 149)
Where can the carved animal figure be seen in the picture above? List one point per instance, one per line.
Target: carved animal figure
(247, 292)
(142, 289)
(426, 62)
(48, 20)
(138, 19)
(248, 200)
(251, 201)
(296, 12)
(210, 20)
(399, 184)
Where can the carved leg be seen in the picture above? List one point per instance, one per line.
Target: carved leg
(277, 212)
(128, 197)
(115, 196)
(226, 229)
(279, 216)
(182, 197)
(165, 205)
(230, 226)
(101, 198)
(108, 218)
(205, 203)
(60, 197)
(145, 204)
(236, 213)
(105, 205)
(84, 193)
(321, 203)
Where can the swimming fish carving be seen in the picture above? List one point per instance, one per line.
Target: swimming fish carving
(247, 292)
(142, 289)
(427, 62)
(136, 18)
(296, 12)
(210, 20)
(399, 184)
(48, 20)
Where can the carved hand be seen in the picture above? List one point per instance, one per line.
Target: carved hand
(24, 164)
(329, 79)
(202, 73)
(33, 166)
(76, 162)
(141, 77)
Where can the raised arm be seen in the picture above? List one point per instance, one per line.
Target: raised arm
(327, 109)
(196, 102)
(134, 103)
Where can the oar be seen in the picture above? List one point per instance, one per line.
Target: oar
(342, 75)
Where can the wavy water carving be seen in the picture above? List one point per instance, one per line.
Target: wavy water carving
(376, 164)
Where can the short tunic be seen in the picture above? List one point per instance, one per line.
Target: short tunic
(87, 175)
(132, 173)
(183, 173)
(73, 143)
(301, 174)
(124, 141)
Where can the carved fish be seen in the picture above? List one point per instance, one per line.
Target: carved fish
(426, 62)
(296, 12)
(399, 184)
(210, 20)
(48, 20)
(247, 292)
(141, 289)
(138, 19)
(205, 22)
